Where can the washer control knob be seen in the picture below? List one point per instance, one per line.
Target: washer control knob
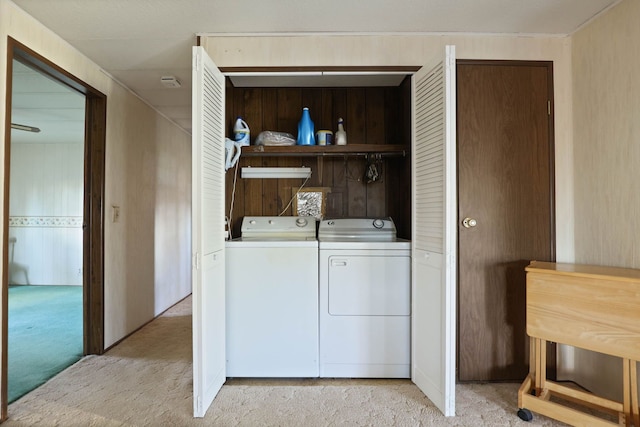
(330, 222)
(378, 223)
(252, 222)
(271, 222)
(301, 222)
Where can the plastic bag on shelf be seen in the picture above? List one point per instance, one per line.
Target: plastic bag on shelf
(269, 137)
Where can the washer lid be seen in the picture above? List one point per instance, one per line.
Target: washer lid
(357, 229)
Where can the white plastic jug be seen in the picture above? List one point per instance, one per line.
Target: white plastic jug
(341, 134)
(241, 132)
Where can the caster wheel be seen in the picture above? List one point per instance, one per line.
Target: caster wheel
(525, 414)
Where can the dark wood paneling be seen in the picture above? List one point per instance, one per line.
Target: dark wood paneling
(376, 135)
(93, 235)
(397, 109)
(339, 200)
(371, 115)
(253, 191)
(355, 120)
(375, 117)
(355, 124)
(270, 204)
(398, 174)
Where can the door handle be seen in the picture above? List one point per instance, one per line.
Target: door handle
(338, 263)
(469, 222)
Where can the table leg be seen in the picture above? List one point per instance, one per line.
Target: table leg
(542, 367)
(633, 373)
(537, 378)
(626, 391)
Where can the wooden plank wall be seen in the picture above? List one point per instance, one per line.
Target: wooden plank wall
(377, 115)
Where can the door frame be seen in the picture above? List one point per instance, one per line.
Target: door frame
(93, 206)
(551, 349)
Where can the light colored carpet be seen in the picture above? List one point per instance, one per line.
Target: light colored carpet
(147, 381)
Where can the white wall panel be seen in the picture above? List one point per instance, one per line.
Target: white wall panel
(606, 105)
(46, 256)
(45, 212)
(172, 213)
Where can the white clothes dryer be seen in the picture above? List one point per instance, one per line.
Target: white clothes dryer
(365, 299)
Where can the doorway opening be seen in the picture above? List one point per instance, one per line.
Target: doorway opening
(87, 237)
(45, 229)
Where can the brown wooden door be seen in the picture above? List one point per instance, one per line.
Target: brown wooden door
(505, 183)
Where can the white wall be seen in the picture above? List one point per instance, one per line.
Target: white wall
(414, 50)
(45, 213)
(147, 261)
(606, 105)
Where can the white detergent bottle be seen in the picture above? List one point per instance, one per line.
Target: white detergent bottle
(341, 135)
(241, 132)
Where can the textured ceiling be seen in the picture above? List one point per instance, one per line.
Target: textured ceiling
(138, 41)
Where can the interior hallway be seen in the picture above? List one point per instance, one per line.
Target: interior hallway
(146, 380)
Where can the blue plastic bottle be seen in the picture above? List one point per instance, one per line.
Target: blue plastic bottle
(306, 130)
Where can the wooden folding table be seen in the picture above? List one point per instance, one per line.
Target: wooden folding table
(590, 307)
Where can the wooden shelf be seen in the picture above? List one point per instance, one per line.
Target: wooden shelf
(326, 150)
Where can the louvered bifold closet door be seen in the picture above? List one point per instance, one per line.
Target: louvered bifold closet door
(212, 161)
(207, 215)
(429, 161)
(434, 238)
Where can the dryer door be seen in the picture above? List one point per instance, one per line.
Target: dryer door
(369, 285)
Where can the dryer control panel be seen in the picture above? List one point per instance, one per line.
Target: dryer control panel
(357, 229)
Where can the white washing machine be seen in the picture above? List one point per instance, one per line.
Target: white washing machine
(272, 298)
(365, 299)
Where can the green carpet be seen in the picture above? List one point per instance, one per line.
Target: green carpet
(45, 334)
